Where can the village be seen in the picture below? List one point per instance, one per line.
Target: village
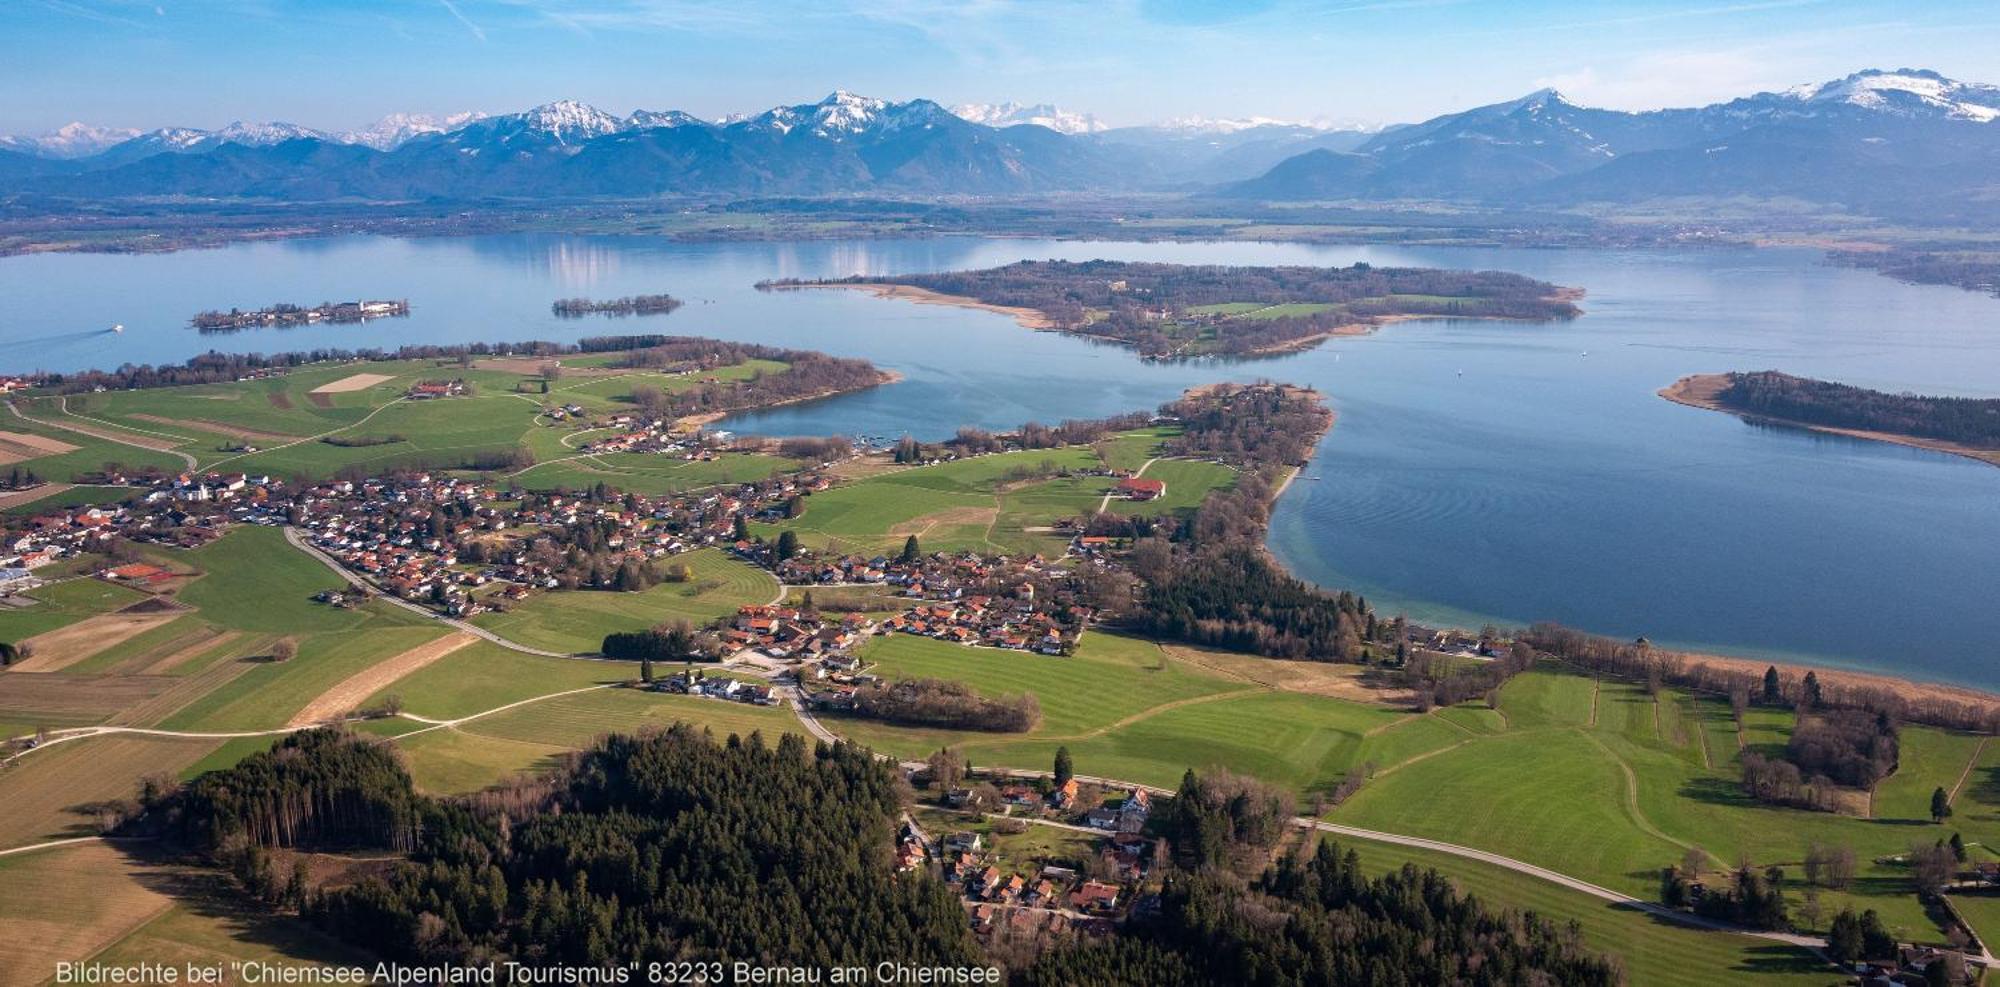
(1033, 856)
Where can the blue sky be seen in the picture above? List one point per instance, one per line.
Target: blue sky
(343, 63)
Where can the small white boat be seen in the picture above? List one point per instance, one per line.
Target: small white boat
(120, 327)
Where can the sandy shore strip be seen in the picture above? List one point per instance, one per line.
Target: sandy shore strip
(1027, 317)
(351, 382)
(1841, 678)
(350, 693)
(1705, 390)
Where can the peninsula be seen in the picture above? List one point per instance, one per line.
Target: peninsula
(1170, 311)
(1967, 427)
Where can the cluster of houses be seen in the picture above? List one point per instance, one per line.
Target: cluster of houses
(1015, 623)
(787, 632)
(409, 535)
(1123, 857)
(1910, 967)
(57, 535)
(430, 390)
(968, 868)
(696, 682)
(961, 597)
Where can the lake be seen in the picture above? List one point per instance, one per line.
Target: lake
(1479, 471)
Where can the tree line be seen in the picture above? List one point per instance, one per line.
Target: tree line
(947, 705)
(577, 308)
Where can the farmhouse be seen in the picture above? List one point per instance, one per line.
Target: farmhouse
(1141, 488)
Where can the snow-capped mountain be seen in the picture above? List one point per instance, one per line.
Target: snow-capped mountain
(647, 119)
(71, 140)
(565, 120)
(1231, 125)
(1904, 143)
(1906, 91)
(844, 115)
(396, 129)
(263, 134)
(1040, 115)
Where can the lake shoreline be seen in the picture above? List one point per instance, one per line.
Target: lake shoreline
(1703, 391)
(1027, 318)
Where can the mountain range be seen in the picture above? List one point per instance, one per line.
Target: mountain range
(1904, 143)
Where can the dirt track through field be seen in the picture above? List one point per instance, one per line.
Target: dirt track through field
(65, 646)
(344, 697)
(220, 428)
(921, 526)
(13, 497)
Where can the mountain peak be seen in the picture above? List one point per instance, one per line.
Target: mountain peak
(570, 121)
(1011, 114)
(396, 129)
(1908, 92)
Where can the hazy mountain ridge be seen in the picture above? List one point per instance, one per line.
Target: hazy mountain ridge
(1904, 142)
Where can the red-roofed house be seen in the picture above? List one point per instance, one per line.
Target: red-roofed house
(1140, 488)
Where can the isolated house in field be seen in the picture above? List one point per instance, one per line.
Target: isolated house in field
(1141, 488)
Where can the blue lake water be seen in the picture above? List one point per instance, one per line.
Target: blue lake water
(1478, 471)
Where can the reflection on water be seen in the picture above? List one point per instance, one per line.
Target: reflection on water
(1545, 481)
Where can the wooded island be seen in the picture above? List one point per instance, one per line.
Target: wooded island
(1175, 310)
(1962, 426)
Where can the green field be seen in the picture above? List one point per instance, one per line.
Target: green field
(1611, 790)
(484, 675)
(62, 604)
(1597, 780)
(530, 738)
(1003, 502)
(577, 621)
(1188, 483)
(286, 421)
(1654, 953)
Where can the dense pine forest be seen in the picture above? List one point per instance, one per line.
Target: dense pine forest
(673, 847)
(666, 847)
(1967, 421)
(1184, 310)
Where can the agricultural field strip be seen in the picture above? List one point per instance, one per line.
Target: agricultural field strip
(62, 402)
(363, 420)
(106, 436)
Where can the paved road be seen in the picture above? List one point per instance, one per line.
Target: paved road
(292, 535)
